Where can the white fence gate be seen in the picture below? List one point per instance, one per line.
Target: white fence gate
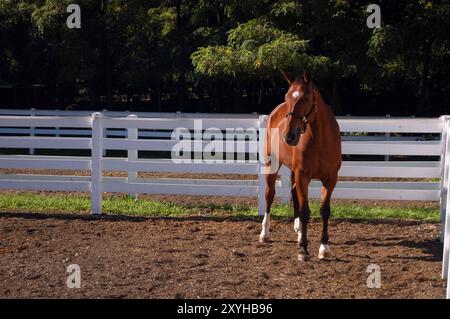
(425, 159)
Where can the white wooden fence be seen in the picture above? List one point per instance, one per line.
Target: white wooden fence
(57, 131)
(153, 132)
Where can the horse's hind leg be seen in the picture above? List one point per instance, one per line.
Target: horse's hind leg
(301, 185)
(270, 194)
(325, 212)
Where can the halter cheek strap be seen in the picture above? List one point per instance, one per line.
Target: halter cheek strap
(305, 117)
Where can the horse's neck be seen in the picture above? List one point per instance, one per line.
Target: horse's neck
(322, 117)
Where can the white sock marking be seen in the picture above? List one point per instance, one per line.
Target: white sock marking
(299, 239)
(265, 226)
(324, 251)
(297, 224)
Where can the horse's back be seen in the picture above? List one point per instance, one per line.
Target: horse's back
(273, 122)
(277, 115)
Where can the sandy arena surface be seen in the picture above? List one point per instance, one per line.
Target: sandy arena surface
(135, 257)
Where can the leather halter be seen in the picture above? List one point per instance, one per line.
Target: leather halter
(305, 117)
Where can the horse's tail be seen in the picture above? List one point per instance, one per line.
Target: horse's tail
(292, 179)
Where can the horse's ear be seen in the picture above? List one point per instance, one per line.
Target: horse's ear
(307, 76)
(288, 76)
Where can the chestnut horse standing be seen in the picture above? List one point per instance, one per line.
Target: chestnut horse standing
(309, 144)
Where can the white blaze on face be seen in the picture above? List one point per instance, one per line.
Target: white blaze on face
(296, 94)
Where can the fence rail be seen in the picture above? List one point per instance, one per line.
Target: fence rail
(129, 134)
(426, 159)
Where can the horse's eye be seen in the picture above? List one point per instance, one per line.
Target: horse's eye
(296, 94)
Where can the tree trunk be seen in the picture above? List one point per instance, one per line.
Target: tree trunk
(158, 95)
(261, 89)
(178, 12)
(215, 99)
(93, 96)
(218, 12)
(107, 72)
(237, 95)
(423, 107)
(336, 104)
(181, 97)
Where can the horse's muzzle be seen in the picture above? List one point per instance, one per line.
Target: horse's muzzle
(292, 139)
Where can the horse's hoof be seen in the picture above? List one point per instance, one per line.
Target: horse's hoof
(303, 257)
(324, 255)
(263, 239)
(324, 252)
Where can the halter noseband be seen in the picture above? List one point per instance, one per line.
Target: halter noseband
(305, 117)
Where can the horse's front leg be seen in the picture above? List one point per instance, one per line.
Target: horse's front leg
(270, 194)
(296, 211)
(301, 185)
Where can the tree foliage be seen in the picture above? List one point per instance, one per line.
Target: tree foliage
(226, 55)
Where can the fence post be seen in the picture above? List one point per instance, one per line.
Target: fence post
(446, 228)
(261, 166)
(57, 129)
(387, 138)
(286, 184)
(347, 156)
(32, 130)
(448, 285)
(96, 163)
(444, 175)
(105, 131)
(132, 133)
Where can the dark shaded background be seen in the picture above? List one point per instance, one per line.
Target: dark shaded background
(136, 55)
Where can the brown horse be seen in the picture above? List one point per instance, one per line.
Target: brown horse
(309, 143)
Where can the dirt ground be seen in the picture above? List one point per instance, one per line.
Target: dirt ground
(135, 257)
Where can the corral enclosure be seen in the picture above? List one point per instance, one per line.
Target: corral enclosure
(375, 150)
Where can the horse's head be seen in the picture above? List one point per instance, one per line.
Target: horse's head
(300, 100)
